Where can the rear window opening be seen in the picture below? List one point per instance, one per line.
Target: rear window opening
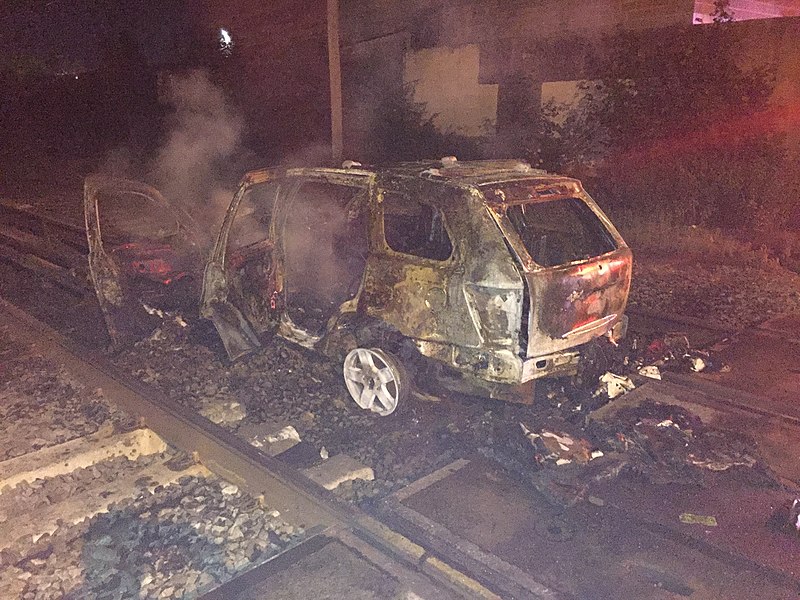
(560, 231)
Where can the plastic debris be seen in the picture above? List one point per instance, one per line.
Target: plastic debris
(651, 372)
(794, 515)
(670, 347)
(561, 448)
(614, 385)
(673, 352)
(691, 519)
(698, 364)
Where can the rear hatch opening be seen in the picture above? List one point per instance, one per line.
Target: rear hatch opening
(576, 266)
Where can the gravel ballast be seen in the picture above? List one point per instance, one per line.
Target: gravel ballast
(160, 541)
(42, 405)
(735, 297)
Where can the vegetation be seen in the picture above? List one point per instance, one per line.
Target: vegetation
(679, 131)
(400, 129)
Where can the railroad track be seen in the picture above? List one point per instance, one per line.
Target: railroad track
(431, 559)
(47, 243)
(298, 500)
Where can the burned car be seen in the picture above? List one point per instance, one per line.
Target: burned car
(483, 276)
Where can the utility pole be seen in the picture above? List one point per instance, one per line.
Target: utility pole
(335, 72)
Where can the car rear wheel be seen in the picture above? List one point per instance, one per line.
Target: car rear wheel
(376, 380)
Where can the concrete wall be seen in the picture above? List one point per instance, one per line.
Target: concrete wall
(744, 10)
(446, 81)
(474, 62)
(515, 45)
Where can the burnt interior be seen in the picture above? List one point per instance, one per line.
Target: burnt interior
(415, 228)
(560, 231)
(148, 247)
(325, 251)
(251, 269)
(131, 216)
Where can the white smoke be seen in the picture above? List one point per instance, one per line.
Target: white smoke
(205, 132)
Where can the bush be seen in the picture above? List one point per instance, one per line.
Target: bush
(678, 132)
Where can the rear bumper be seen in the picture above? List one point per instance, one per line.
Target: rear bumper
(504, 366)
(620, 329)
(565, 363)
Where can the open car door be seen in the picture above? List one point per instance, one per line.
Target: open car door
(242, 288)
(144, 255)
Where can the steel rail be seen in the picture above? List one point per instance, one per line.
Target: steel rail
(298, 499)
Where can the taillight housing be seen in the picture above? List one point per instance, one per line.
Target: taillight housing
(497, 313)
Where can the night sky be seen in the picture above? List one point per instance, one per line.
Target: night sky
(81, 30)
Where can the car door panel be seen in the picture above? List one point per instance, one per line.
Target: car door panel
(143, 255)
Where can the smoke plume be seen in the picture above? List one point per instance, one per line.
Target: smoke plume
(204, 134)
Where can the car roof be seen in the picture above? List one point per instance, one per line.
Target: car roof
(472, 172)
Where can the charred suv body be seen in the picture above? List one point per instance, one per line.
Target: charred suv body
(484, 275)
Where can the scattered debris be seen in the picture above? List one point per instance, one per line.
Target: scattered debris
(558, 447)
(794, 516)
(674, 352)
(164, 315)
(651, 372)
(615, 385)
(270, 438)
(668, 348)
(698, 364)
(338, 469)
(224, 413)
(668, 443)
(691, 519)
(229, 489)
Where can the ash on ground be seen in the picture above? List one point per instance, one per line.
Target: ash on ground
(286, 385)
(178, 541)
(42, 405)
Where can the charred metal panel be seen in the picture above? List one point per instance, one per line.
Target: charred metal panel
(236, 334)
(494, 287)
(421, 298)
(133, 260)
(574, 303)
(465, 311)
(235, 331)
